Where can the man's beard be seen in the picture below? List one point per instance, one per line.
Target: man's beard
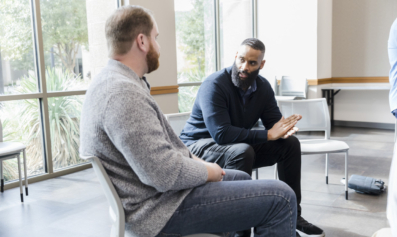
(247, 82)
(152, 59)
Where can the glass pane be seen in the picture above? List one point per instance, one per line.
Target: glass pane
(195, 39)
(235, 26)
(21, 123)
(64, 118)
(65, 36)
(16, 46)
(186, 98)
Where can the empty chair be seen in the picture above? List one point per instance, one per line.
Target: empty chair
(293, 86)
(12, 150)
(315, 117)
(116, 209)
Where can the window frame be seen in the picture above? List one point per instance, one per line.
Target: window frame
(42, 96)
(254, 19)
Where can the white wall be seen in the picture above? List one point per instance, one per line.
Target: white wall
(359, 49)
(324, 39)
(360, 33)
(288, 28)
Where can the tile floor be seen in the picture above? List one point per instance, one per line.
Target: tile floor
(74, 205)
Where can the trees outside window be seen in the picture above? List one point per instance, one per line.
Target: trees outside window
(195, 34)
(65, 45)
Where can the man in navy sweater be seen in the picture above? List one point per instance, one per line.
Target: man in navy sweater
(227, 106)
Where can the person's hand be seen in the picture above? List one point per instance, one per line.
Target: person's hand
(215, 172)
(290, 132)
(284, 128)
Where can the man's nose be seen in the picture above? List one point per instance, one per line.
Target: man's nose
(244, 66)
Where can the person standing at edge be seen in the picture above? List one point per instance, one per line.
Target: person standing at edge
(228, 104)
(392, 192)
(165, 190)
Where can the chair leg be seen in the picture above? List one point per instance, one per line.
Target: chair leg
(257, 173)
(275, 172)
(25, 173)
(1, 176)
(346, 178)
(20, 176)
(326, 168)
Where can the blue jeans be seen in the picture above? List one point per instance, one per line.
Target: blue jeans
(235, 205)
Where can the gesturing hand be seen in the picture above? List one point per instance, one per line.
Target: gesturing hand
(284, 128)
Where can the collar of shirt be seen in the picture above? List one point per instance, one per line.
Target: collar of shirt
(128, 72)
(246, 94)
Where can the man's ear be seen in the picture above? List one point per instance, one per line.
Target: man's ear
(262, 64)
(142, 42)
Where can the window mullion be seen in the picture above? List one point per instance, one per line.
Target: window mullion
(254, 4)
(43, 102)
(217, 36)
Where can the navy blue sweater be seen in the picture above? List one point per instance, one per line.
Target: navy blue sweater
(219, 112)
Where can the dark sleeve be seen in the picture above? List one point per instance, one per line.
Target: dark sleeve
(213, 103)
(271, 114)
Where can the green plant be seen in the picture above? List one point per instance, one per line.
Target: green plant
(22, 121)
(64, 27)
(187, 95)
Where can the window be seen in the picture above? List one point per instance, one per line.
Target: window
(44, 72)
(195, 31)
(235, 26)
(16, 46)
(65, 38)
(208, 33)
(21, 123)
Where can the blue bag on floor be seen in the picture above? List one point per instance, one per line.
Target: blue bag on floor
(366, 185)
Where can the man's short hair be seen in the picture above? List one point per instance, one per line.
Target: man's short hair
(255, 44)
(124, 25)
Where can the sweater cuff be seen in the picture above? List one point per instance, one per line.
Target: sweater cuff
(260, 136)
(194, 173)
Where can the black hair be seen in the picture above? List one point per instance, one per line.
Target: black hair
(255, 44)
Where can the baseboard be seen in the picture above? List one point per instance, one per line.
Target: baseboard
(340, 123)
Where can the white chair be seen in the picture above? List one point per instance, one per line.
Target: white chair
(116, 209)
(315, 117)
(291, 86)
(12, 150)
(177, 121)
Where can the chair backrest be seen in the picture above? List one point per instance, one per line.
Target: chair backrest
(291, 86)
(111, 194)
(177, 121)
(315, 114)
(275, 86)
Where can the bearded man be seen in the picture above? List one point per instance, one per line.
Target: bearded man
(165, 190)
(228, 104)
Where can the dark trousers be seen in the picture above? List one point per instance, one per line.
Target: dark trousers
(241, 156)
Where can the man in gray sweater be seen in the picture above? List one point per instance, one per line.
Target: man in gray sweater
(165, 190)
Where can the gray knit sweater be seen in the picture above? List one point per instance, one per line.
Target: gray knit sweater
(149, 166)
